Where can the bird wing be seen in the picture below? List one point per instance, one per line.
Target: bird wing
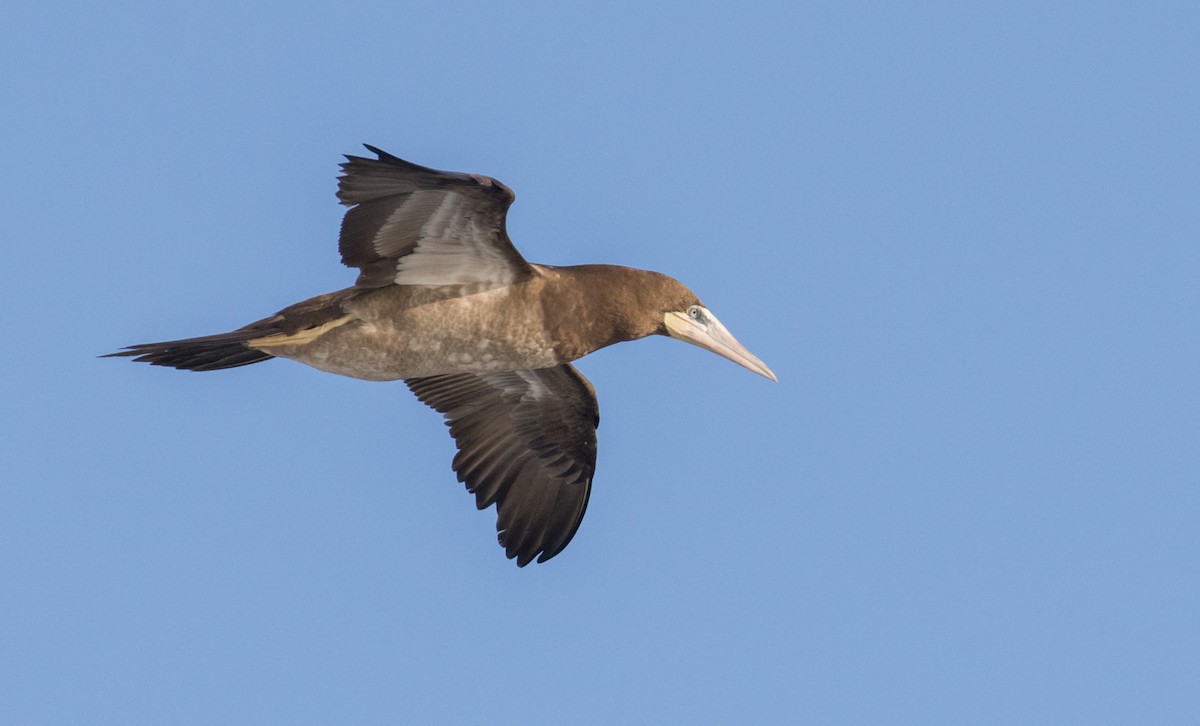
(527, 442)
(410, 225)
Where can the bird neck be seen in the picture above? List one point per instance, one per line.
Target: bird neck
(588, 307)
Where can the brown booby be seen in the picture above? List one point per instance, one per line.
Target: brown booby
(445, 302)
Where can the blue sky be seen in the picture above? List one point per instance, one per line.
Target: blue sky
(965, 236)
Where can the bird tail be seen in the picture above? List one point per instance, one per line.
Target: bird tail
(207, 353)
(297, 324)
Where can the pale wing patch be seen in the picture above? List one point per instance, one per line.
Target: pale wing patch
(408, 223)
(530, 387)
(453, 249)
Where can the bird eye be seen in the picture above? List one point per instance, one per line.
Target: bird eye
(694, 312)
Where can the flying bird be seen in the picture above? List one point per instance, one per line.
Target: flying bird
(444, 302)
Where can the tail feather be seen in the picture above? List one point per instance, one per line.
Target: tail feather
(208, 353)
(230, 350)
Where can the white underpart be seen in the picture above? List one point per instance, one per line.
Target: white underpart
(454, 248)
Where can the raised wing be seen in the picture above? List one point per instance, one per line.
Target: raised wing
(410, 225)
(526, 442)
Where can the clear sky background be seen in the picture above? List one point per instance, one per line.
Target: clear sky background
(965, 236)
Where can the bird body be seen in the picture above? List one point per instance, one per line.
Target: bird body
(558, 315)
(444, 302)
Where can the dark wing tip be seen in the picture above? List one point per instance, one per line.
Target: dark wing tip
(417, 176)
(383, 155)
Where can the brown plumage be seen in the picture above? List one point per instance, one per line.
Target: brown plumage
(445, 302)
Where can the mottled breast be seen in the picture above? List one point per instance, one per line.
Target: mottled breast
(409, 331)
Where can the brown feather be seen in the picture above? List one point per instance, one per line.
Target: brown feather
(527, 442)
